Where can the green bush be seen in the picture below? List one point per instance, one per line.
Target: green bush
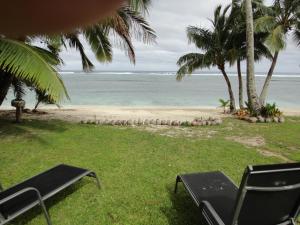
(270, 110)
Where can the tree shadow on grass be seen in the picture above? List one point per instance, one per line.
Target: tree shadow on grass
(183, 210)
(37, 211)
(29, 128)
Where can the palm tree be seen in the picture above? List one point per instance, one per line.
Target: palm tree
(214, 43)
(253, 100)
(238, 43)
(279, 20)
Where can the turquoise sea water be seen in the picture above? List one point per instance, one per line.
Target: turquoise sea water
(162, 89)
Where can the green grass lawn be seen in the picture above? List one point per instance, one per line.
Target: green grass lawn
(137, 167)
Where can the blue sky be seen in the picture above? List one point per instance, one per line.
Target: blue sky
(170, 18)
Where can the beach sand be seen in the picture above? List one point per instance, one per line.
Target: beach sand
(79, 113)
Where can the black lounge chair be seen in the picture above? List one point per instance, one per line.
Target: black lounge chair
(34, 191)
(268, 195)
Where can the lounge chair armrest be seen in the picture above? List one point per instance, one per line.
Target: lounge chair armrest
(20, 193)
(208, 215)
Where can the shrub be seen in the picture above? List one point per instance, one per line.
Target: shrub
(270, 110)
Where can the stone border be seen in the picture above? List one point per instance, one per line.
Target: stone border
(197, 122)
(261, 119)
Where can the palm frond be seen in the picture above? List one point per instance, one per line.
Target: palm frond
(296, 33)
(126, 23)
(202, 38)
(190, 62)
(26, 63)
(138, 25)
(74, 42)
(276, 39)
(265, 24)
(48, 56)
(99, 42)
(140, 5)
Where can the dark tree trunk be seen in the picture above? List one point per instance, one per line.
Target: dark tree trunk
(5, 82)
(18, 114)
(264, 92)
(36, 105)
(241, 97)
(230, 92)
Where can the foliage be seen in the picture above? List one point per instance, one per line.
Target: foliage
(279, 19)
(117, 30)
(33, 64)
(224, 104)
(140, 5)
(212, 42)
(237, 43)
(270, 110)
(136, 168)
(43, 97)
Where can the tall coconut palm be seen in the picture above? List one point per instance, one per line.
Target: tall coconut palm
(238, 45)
(282, 18)
(253, 100)
(214, 44)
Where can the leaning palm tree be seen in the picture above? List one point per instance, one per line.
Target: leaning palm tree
(214, 43)
(282, 18)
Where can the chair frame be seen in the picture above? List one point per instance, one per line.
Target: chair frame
(245, 188)
(211, 215)
(41, 199)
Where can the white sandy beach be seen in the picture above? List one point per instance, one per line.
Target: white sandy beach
(78, 113)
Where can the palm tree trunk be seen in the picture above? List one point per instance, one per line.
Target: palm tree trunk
(230, 92)
(240, 78)
(5, 82)
(36, 105)
(264, 92)
(253, 99)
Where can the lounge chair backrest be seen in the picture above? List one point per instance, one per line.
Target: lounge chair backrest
(268, 195)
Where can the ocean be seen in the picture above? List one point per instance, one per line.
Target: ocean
(161, 89)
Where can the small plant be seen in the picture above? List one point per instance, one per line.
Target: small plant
(270, 110)
(43, 97)
(224, 104)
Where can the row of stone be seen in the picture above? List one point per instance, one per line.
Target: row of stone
(261, 119)
(196, 122)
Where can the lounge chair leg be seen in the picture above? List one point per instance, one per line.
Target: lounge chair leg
(46, 214)
(94, 175)
(293, 221)
(176, 185)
